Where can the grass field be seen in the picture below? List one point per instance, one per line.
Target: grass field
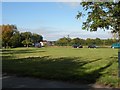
(64, 63)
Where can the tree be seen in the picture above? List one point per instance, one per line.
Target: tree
(63, 41)
(0, 36)
(90, 41)
(7, 33)
(100, 15)
(98, 41)
(82, 41)
(114, 36)
(15, 40)
(26, 38)
(11, 37)
(76, 41)
(36, 38)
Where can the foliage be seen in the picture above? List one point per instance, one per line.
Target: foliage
(7, 33)
(64, 41)
(11, 37)
(36, 38)
(27, 38)
(100, 15)
(26, 42)
(76, 41)
(15, 40)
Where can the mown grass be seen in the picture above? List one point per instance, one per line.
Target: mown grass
(61, 63)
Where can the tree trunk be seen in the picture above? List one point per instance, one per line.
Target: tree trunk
(119, 63)
(119, 55)
(5, 45)
(27, 45)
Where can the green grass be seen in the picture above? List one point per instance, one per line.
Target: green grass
(64, 63)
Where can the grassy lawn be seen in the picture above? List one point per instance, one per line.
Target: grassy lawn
(64, 63)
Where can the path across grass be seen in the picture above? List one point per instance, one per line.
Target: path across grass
(81, 65)
(27, 82)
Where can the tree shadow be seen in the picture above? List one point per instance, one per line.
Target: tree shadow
(93, 76)
(7, 57)
(63, 69)
(7, 51)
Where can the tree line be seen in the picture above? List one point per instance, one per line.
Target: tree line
(11, 37)
(68, 41)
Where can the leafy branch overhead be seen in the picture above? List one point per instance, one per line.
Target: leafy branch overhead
(103, 15)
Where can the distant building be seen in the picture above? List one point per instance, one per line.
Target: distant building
(42, 44)
(50, 43)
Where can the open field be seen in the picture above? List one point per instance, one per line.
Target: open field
(81, 65)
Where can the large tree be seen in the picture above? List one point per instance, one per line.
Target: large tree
(7, 33)
(102, 15)
(27, 38)
(15, 40)
(36, 38)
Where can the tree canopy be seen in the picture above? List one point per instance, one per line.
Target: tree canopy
(7, 32)
(101, 15)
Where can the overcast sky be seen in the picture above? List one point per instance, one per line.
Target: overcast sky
(53, 20)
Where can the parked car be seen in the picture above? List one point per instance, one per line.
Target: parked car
(115, 45)
(80, 46)
(91, 46)
(77, 46)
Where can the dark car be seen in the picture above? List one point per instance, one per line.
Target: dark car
(80, 46)
(77, 46)
(92, 46)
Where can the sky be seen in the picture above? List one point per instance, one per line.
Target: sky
(52, 20)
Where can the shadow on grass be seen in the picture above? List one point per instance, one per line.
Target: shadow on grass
(26, 50)
(96, 74)
(65, 68)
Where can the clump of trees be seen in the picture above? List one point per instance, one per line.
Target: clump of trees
(68, 41)
(11, 37)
